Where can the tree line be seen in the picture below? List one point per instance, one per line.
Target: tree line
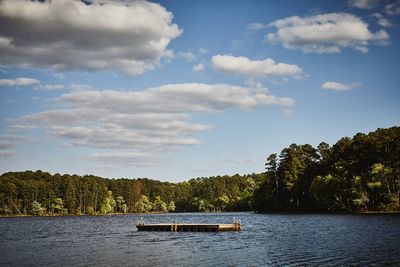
(40, 193)
(355, 174)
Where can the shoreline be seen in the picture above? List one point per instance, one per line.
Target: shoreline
(377, 212)
(263, 213)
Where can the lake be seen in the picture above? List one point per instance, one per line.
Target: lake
(266, 240)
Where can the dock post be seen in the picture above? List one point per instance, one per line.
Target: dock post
(174, 226)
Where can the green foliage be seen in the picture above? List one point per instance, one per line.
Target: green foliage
(143, 205)
(121, 206)
(356, 174)
(58, 205)
(37, 208)
(108, 203)
(124, 208)
(222, 202)
(171, 206)
(90, 210)
(159, 204)
(72, 194)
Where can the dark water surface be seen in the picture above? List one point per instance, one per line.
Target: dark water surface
(266, 240)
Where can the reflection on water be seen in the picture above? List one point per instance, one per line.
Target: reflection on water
(274, 240)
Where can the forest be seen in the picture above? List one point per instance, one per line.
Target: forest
(40, 193)
(354, 175)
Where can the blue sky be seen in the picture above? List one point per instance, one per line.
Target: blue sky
(174, 90)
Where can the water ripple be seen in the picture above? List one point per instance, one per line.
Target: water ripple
(266, 240)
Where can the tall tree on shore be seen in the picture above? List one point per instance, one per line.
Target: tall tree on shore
(108, 203)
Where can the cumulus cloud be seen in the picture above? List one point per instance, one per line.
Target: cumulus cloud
(19, 82)
(381, 20)
(252, 68)
(363, 4)
(325, 33)
(23, 81)
(198, 68)
(79, 87)
(393, 8)
(288, 111)
(339, 86)
(188, 56)
(255, 26)
(173, 98)
(49, 87)
(203, 50)
(147, 122)
(130, 37)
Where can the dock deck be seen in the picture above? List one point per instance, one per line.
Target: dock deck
(174, 227)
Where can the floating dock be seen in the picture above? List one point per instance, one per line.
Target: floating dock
(175, 227)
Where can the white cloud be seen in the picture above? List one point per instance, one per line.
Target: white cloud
(198, 68)
(393, 8)
(29, 82)
(255, 26)
(252, 68)
(58, 75)
(148, 122)
(288, 111)
(19, 82)
(325, 33)
(381, 20)
(203, 50)
(130, 37)
(171, 98)
(339, 86)
(203, 97)
(363, 4)
(49, 87)
(188, 56)
(79, 87)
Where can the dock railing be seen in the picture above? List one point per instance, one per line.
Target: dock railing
(237, 223)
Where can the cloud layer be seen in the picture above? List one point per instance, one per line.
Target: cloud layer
(393, 8)
(381, 20)
(142, 125)
(255, 26)
(188, 56)
(326, 33)
(363, 4)
(198, 68)
(130, 37)
(252, 68)
(49, 87)
(339, 86)
(23, 81)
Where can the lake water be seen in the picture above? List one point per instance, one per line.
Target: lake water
(266, 240)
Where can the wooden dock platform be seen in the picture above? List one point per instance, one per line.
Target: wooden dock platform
(175, 227)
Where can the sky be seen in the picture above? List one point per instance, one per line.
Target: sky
(173, 90)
